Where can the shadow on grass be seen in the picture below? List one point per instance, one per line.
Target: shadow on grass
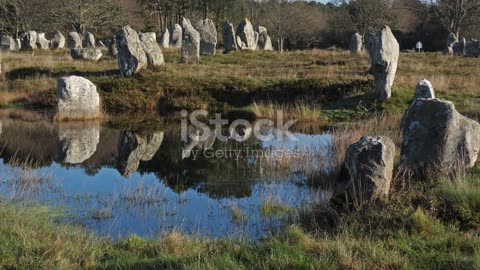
(36, 72)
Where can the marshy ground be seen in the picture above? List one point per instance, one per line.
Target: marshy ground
(429, 223)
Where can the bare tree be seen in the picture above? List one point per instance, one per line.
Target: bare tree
(369, 15)
(85, 15)
(457, 14)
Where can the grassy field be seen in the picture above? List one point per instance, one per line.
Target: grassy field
(425, 224)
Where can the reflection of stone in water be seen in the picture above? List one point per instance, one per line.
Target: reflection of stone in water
(78, 141)
(133, 148)
(197, 143)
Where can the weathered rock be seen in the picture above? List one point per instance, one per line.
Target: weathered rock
(112, 47)
(176, 37)
(190, 43)
(165, 39)
(458, 48)
(78, 141)
(58, 41)
(424, 89)
(356, 43)
(42, 42)
(18, 44)
(472, 49)
(29, 40)
(451, 39)
(240, 43)
(264, 40)
(133, 148)
(229, 42)
(131, 56)
(7, 43)
(208, 36)
(384, 62)
(90, 54)
(247, 35)
(77, 98)
(152, 50)
(370, 165)
(88, 40)
(436, 136)
(74, 40)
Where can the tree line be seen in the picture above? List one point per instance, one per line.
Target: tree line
(292, 24)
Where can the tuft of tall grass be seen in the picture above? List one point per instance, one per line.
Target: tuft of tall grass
(301, 111)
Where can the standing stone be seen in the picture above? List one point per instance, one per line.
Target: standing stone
(384, 62)
(165, 40)
(458, 48)
(88, 40)
(42, 42)
(452, 38)
(190, 43)
(131, 56)
(29, 40)
(264, 40)
(208, 36)
(152, 50)
(176, 37)
(78, 141)
(74, 40)
(133, 148)
(472, 49)
(240, 43)
(77, 98)
(58, 40)
(229, 42)
(112, 47)
(370, 165)
(90, 54)
(356, 43)
(18, 44)
(436, 136)
(424, 89)
(246, 34)
(7, 43)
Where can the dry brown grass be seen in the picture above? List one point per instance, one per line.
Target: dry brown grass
(300, 111)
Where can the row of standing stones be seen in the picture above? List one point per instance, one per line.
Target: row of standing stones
(456, 47)
(136, 51)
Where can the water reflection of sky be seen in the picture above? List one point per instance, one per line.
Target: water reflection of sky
(96, 195)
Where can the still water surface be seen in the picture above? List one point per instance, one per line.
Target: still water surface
(119, 182)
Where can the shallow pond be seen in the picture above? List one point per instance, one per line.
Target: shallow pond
(146, 181)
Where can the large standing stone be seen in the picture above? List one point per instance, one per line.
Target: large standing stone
(208, 36)
(247, 34)
(384, 62)
(90, 54)
(78, 141)
(176, 37)
(7, 43)
(436, 136)
(133, 148)
(356, 43)
(451, 39)
(88, 40)
(370, 165)
(472, 49)
(152, 50)
(190, 43)
(131, 56)
(58, 40)
(459, 47)
(77, 98)
(18, 44)
(165, 39)
(42, 42)
(264, 40)
(74, 40)
(29, 40)
(229, 42)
